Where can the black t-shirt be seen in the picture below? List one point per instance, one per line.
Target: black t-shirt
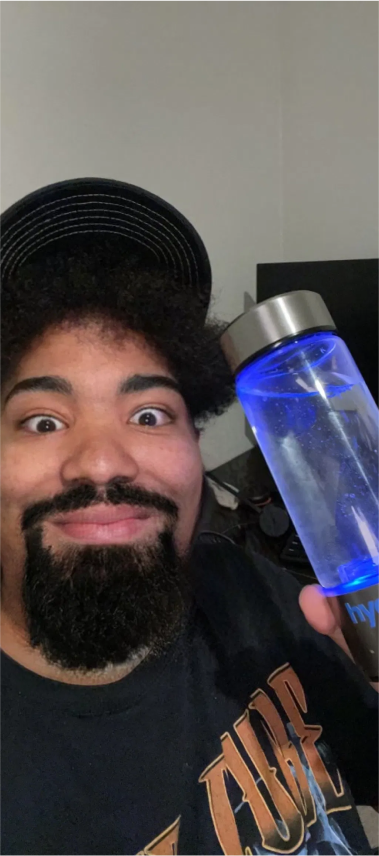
(249, 736)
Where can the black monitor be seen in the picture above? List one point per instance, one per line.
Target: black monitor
(350, 291)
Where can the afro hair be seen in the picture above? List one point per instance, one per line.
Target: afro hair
(124, 297)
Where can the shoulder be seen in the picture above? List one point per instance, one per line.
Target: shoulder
(221, 566)
(249, 601)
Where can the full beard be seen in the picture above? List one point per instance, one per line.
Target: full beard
(90, 607)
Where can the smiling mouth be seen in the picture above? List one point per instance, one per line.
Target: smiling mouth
(106, 524)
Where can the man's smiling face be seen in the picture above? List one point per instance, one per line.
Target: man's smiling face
(100, 460)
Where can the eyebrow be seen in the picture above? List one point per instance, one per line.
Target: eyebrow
(53, 383)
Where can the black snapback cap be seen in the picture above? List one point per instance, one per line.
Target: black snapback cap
(77, 212)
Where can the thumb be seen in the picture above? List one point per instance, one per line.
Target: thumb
(319, 614)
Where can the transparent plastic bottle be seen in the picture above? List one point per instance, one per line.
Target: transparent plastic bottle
(317, 426)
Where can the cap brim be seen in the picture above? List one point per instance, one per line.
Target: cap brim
(80, 210)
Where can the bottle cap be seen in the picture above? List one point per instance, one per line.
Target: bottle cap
(273, 322)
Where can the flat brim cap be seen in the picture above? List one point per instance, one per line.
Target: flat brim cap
(75, 213)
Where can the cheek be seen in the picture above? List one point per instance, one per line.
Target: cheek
(176, 470)
(177, 465)
(21, 477)
(12, 496)
(24, 480)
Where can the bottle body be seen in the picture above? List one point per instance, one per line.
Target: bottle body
(317, 426)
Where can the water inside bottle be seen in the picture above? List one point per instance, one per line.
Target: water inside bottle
(315, 423)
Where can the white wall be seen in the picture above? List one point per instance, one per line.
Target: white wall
(264, 137)
(329, 80)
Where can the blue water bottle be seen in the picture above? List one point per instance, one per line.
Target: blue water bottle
(317, 426)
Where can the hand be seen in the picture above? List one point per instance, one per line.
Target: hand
(320, 616)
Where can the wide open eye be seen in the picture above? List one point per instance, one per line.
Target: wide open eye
(42, 424)
(151, 417)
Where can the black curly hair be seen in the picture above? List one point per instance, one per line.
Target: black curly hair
(121, 297)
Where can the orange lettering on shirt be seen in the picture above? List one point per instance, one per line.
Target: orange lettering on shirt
(286, 755)
(222, 815)
(273, 839)
(166, 844)
(292, 697)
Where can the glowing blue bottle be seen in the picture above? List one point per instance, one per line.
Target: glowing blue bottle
(317, 426)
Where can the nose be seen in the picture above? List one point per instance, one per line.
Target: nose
(99, 455)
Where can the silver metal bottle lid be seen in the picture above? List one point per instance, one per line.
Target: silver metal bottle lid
(276, 320)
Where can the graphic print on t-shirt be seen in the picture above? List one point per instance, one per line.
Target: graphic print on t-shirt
(273, 786)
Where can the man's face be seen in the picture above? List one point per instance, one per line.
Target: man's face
(100, 486)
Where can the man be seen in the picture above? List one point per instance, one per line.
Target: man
(161, 693)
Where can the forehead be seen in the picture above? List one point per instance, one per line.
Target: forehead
(79, 349)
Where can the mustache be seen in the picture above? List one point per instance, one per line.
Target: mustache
(86, 495)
